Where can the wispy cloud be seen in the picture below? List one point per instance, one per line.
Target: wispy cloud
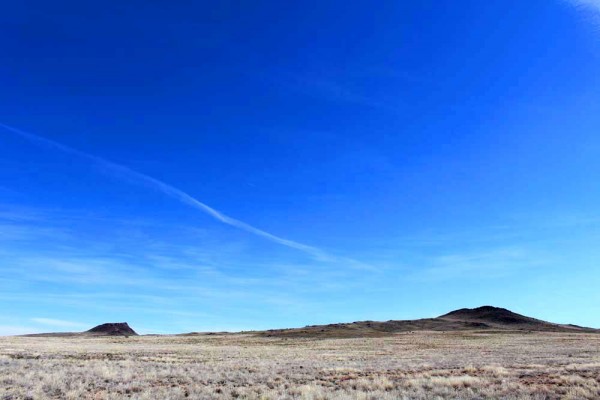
(331, 89)
(59, 323)
(336, 91)
(485, 264)
(23, 232)
(163, 259)
(130, 175)
(591, 8)
(593, 5)
(11, 330)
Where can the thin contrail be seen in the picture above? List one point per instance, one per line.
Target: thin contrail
(173, 192)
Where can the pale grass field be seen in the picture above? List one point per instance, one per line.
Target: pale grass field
(421, 365)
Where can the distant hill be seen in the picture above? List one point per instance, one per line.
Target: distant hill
(486, 318)
(498, 317)
(112, 329)
(481, 318)
(108, 329)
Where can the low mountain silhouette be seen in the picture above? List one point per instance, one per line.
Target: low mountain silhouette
(112, 329)
(486, 318)
(493, 316)
(108, 329)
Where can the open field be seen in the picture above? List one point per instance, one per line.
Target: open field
(419, 365)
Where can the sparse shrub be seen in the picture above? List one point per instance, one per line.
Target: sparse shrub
(417, 366)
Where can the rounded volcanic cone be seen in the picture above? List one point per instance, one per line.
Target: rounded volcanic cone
(491, 314)
(112, 329)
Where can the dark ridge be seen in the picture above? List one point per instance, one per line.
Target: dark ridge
(495, 315)
(108, 329)
(484, 319)
(112, 329)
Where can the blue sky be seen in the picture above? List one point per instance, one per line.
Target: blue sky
(248, 165)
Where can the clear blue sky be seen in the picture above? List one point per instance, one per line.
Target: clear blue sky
(380, 161)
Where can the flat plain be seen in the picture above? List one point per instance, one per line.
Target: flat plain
(408, 365)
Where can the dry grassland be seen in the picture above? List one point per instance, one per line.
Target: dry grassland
(420, 365)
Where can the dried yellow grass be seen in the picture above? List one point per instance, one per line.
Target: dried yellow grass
(420, 365)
